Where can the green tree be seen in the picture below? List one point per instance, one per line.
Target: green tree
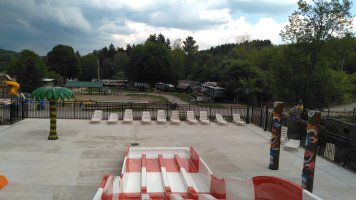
(107, 68)
(249, 87)
(89, 67)
(351, 86)
(112, 51)
(318, 22)
(178, 60)
(191, 49)
(58, 79)
(309, 28)
(160, 39)
(177, 44)
(189, 46)
(63, 60)
(150, 63)
(29, 69)
(152, 38)
(340, 53)
(5, 58)
(121, 61)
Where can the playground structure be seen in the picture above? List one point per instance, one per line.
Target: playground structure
(178, 173)
(9, 88)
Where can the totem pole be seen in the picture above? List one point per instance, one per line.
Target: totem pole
(311, 144)
(276, 135)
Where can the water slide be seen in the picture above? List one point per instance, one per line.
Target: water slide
(178, 173)
(14, 86)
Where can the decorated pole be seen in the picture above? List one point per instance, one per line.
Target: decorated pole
(311, 144)
(276, 135)
(52, 94)
(53, 120)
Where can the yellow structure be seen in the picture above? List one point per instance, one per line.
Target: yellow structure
(9, 85)
(14, 86)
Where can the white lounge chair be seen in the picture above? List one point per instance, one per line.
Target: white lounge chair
(329, 151)
(237, 119)
(161, 117)
(292, 144)
(98, 112)
(284, 133)
(146, 117)
(191, 118)
(203, 117)
(113, 118)
(128, 117)
(96, 117)
(220, 120)
(175, 117)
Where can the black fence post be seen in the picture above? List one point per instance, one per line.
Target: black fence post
(261, 117)
(189, 106)
(266, 118)
(210, 111)
(17, 107)
(345, 155)
(231, 113)
(22, 109)
(11, 113)
(74, 105)
(167, 108)
(248, 115)
(122, 110)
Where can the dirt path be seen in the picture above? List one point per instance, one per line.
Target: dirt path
(170, 98)
(124, 97)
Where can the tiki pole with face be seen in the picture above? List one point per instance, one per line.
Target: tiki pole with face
(276, 135)
(311, 144)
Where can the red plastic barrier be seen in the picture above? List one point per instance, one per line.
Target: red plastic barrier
(217, 188)
(273, 188)
(194, 157)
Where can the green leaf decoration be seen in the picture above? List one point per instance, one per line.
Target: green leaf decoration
(50, 93)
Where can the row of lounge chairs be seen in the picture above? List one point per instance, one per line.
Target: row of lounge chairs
(162, 119)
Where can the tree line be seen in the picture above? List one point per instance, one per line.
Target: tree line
(317, 64)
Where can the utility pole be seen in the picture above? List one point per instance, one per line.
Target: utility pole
(98, 69)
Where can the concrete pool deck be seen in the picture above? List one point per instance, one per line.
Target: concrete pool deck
(72, 167)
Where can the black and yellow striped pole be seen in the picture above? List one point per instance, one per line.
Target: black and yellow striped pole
(53, 120)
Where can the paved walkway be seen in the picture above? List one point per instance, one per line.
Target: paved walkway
(72, 167)
(345, 107)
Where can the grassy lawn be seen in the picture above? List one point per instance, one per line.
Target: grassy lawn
(182, 96)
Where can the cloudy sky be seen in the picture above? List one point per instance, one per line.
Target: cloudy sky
(86, 25)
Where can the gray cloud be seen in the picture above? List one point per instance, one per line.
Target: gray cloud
(251, 7)
(91, 24)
